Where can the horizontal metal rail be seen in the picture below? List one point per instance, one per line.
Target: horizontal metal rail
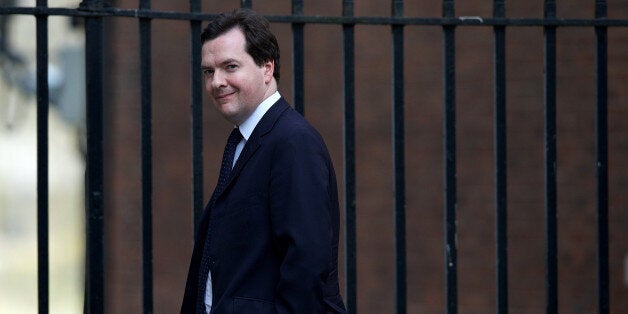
(317, 19)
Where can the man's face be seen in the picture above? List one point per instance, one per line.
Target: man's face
(232, 79)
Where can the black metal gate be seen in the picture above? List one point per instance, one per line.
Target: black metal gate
(94, 12)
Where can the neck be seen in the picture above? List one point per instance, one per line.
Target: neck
(271, 89)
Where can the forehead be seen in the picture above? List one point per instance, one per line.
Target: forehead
(230, 44)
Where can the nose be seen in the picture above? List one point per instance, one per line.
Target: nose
(218, 80)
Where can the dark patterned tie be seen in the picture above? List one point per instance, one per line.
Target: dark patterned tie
(225, 171)
(227, 159)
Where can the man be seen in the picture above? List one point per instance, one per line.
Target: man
(268, 239)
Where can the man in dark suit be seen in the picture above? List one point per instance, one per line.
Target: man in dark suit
(268, 239)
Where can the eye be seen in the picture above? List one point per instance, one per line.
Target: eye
(208, 72)
(231, 67)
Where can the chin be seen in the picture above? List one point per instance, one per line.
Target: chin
(227, 110)
(231, 117)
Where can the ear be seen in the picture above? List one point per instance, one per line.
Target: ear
(269, 69)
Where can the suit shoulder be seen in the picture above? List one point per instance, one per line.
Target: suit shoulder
(293, 127)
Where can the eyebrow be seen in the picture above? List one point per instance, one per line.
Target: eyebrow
(230, 60)
(225, 62)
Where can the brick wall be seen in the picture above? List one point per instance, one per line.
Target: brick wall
(424, 154)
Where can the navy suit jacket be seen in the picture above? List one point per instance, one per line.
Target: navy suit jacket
(273, 231)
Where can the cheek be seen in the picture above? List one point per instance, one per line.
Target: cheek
(253, 83)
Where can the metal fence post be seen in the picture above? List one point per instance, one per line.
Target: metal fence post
(43, 263)
(349, 158)
(196, 107)
(501, 205)
(94, 302)
(601, 132)
(147, 152)
(449, 65)
(298, 63)
(399, 180)
(550, 161)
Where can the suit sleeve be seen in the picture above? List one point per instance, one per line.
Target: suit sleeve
(302, 218)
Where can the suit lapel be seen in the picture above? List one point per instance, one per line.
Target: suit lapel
(264, 126)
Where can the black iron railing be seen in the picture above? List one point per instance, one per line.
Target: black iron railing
(93, 12)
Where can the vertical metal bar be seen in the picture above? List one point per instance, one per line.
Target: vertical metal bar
(298, 63)
(196, 93)
(349, 158)
(246, 4)
(501, 233)
(94, 86)
(147, 174)
(42, 160)
(399, 161)
(550, 161)
(601, 132)
(450, 160)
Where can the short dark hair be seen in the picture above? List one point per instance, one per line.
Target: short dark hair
(261, 43)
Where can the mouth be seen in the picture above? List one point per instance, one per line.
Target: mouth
(223, 96)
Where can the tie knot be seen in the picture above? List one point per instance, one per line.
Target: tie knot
(235, 137)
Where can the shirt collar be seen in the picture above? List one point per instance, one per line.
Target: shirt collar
(247, 127)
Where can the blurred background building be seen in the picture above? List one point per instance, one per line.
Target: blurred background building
(172, 220)
(18, 162)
